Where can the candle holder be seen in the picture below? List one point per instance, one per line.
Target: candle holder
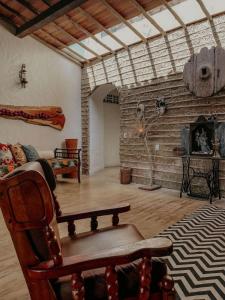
(22, 76)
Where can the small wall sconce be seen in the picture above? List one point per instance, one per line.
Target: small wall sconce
(140, 111)
(22, 76)
(160, 106)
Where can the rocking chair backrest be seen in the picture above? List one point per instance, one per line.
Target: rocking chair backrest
(28, 209)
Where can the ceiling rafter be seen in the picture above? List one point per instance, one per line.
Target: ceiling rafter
(123, 20)
(76, 40)
(9, 22)
(172, 11)
(13, 11)
(63, 45)
(49, 15)
(103, 28)
(89, 34)
(148, 17)
(67, 55)
(47, 2)
(205, 10)
(29, 6)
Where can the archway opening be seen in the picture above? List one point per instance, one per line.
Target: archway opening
(104, 128)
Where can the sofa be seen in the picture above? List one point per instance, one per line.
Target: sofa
(62, 161)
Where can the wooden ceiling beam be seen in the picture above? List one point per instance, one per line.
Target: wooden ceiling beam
(7, 22)
(13, 11)
(179, 20)
(89, 34)
(123, 20)
(55, 11)
(29, 6)
(103, 28)
(141, 9)
(63, 45)
(76, 40)
(61, 52)
(205, 10)
(47, 2)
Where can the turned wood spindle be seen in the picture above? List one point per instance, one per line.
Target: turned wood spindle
(78, 291)
(57, 206)
(53, 245)
(167, 286)
(145, 279)
(94, 223)
(71, 228)
(115, 219)
(111, 283)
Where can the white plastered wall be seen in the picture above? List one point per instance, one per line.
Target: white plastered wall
(111, 134)
(52, 81)
(104, 130)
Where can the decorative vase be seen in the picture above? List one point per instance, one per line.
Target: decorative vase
(71, 143)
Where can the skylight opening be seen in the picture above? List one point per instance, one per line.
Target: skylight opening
(81, 51)
(108, 40)
(165, 19)
(73, 54)
(214, 6)
(125, 34)
(93, 45)
(189, 6)
(141, 24)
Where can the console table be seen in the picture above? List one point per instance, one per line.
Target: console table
(211, 177)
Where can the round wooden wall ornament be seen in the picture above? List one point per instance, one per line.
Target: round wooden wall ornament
(204, 73)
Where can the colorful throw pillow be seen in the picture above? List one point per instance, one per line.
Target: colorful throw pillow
(6, 157)
(18, 154)
(30, 152)
(62, 163)
(5, 169)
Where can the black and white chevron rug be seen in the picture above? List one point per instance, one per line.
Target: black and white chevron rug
(197, 263)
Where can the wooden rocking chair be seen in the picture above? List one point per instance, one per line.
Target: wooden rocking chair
(110, 263)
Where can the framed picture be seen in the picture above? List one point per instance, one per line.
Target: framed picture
(202, 137)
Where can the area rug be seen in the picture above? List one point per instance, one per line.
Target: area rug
(197, 263)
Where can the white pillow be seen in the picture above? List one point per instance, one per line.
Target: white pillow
(46, 154)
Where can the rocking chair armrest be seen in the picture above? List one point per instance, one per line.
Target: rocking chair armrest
(67, 153)
(155, 247)
(111, 210)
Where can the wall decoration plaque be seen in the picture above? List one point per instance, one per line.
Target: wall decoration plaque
(44, 115)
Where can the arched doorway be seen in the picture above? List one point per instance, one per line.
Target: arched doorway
(104, 128)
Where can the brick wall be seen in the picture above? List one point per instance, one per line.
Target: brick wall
(143, 73)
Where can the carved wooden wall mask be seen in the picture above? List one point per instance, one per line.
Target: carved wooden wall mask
(204, 73)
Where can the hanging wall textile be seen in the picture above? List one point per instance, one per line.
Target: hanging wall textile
(43, 115)
(204, 73)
